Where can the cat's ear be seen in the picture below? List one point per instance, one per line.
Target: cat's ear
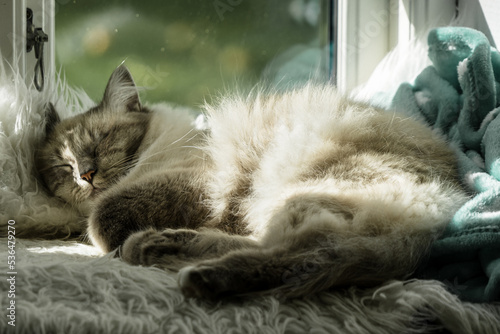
(51, 118)
(121, 93)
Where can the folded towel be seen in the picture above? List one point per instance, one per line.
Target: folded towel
(459, 95)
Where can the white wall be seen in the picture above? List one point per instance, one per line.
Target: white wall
(483, 15)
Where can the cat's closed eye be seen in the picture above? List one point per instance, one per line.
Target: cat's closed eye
(65, 167)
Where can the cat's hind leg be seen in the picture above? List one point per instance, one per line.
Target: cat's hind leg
(309, 247)
(297, 272)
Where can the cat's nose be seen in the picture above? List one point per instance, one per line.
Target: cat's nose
(88, 176)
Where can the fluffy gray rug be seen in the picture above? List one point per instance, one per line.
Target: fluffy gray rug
(68, 287)
(50, 285)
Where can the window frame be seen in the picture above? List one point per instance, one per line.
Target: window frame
(386, 23)
(13, 20)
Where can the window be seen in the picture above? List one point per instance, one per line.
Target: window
(184, 51)
(368, 29)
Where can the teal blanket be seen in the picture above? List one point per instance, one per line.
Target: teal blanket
(460, 95)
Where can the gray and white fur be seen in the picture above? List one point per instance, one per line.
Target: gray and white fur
(287, 193)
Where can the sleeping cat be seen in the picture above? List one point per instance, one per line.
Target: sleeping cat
(288, 193)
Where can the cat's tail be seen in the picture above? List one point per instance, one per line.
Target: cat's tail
(291, 271)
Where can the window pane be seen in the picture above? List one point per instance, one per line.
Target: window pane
(184, 50)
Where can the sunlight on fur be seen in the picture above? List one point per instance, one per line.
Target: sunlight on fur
(73, 248)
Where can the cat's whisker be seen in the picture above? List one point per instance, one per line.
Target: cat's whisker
(132, 159)
(187, 133)
(166, 150)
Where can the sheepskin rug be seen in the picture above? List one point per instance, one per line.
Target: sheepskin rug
(54, 283)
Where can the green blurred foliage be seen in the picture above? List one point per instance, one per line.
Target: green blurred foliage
(182, 51)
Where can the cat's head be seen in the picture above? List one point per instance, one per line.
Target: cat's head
(84, 155)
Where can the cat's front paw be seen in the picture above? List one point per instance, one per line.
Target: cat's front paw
(162, 248)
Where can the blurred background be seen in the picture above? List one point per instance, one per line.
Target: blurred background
(184, 51)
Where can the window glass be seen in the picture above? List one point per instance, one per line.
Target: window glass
(185, 50)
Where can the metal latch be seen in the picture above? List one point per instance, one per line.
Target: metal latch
(35, 38)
